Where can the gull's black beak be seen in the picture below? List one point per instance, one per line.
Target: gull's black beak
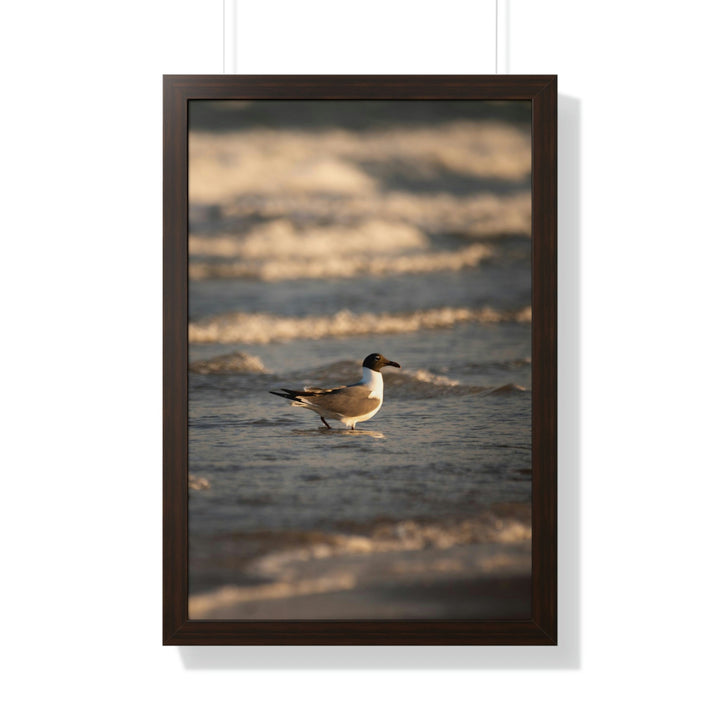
(393, 363)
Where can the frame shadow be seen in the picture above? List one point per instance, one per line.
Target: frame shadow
(566, 655)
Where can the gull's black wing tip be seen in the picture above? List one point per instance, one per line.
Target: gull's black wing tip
(284, 394)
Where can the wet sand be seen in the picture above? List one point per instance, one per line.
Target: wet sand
(481, 598)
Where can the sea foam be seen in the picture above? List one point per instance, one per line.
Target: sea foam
(342, 266)
(237, 363)
(473, 215)
(280, 250)
(281, 239)
(262, 328)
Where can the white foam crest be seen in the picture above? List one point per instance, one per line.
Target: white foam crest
(281, 239)
(483, 214)
(263, 328)
(426, 376)
(422, 384)
(222, 174)
(202, 605)
(405, 536)
(343, 265)
(230, 364)
(196, 482)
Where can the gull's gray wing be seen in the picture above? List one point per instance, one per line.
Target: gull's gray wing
(351, 401)
(295, 394)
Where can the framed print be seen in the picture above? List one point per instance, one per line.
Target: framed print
(360, 360)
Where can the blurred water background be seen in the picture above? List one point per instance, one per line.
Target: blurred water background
(321, 232)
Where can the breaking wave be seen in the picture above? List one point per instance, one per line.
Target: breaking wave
(503, 528)
(478, 215)
(272, 161)
(281, 239)
(508, 389)
(342, 266)
(237, 363)
(492, 545)
(262, 328)
(279, 250)
(422, 384)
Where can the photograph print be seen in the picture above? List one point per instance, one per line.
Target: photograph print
(359, 360)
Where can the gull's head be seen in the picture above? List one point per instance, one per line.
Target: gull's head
(376, 361)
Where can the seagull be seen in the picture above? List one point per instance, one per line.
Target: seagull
(350, 404)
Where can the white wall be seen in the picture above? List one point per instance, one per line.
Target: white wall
(81, 371)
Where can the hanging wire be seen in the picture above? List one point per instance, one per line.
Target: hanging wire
(496, 36)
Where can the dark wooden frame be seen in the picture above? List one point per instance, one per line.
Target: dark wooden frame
(541, 629)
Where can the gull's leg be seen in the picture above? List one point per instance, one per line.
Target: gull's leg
(325, 423)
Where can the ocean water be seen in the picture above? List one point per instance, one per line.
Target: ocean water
(320, 233)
